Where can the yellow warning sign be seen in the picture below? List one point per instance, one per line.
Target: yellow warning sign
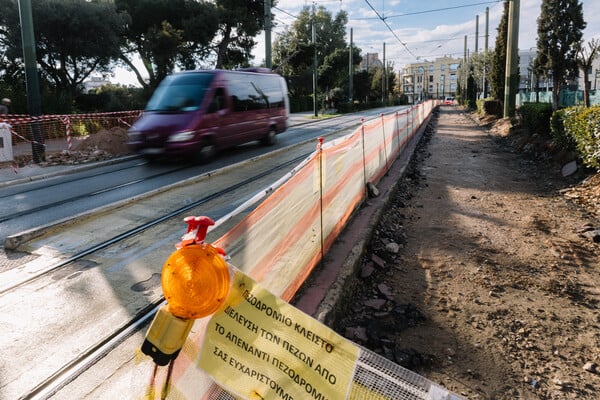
(257, 346)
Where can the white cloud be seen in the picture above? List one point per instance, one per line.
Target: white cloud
(422, 35)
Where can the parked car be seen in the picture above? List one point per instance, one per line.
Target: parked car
(194, 114)
(449, 101)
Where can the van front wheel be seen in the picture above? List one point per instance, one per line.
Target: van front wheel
(271, 137)
(206, 152)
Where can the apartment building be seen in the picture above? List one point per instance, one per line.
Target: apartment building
(430, 79)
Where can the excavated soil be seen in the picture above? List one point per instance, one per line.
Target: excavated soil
(102, 145)
(484, 274)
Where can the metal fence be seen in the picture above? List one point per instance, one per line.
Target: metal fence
(567, 98)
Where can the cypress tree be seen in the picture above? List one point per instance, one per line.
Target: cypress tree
(560, 30)
(498, 72)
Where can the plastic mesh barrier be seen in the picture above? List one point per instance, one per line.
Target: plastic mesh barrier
(279, 243)
(377, 378)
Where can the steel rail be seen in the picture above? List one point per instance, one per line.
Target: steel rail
(47, 206)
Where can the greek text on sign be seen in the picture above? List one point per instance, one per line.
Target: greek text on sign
(257, 346)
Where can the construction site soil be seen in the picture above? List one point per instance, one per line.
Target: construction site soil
(483, 273)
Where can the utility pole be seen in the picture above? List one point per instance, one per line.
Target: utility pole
(414, 85)
(512, 62)
(464, 76)
(383, 74)
(487, 27)
(268, 34)
(476, 51)
(476, 34)
(314, 40)
(485, 51)
(350, 72)
(32, 84)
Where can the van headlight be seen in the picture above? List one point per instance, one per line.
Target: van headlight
(181, 137)
(134, 136)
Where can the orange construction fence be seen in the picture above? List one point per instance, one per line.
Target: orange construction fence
(279, 243)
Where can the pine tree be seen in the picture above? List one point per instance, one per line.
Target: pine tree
(498, 72)
(560, 30)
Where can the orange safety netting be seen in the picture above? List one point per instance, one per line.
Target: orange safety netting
(280, 242)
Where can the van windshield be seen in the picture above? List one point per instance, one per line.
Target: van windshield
(177, 93)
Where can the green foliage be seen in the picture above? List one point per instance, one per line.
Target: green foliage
(559, 135)
(535, 117)
(81, 128)
(111, 98)
(560, 29)
(239, 22)
(294, 50)
(166, 34)
(471, 92)
(490, 107)
(73, 39)
(333, 70)
(362, 85)
(301, 103)
(498, 72)
(583, 126)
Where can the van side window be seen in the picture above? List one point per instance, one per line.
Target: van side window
(218, 102)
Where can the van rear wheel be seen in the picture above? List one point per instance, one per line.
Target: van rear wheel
(270, 138)
(206, 152)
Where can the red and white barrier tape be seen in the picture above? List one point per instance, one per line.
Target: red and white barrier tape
(67, 122)
(18, 119)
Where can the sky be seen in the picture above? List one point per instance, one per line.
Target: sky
(418, 30)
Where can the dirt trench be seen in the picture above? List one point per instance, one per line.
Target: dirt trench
(484, 274)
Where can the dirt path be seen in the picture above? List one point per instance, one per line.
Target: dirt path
(479, 277)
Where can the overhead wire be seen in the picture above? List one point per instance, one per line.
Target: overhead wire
(383, 19)
(432, 10)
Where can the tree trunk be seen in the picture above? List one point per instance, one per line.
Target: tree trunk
(586, 89)
(555, 92)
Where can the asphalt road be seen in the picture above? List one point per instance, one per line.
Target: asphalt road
(30, 204)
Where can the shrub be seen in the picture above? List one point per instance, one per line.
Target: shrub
(583, 126)
(535, 117)
(301, 103)
(490, 107)
(493, 107)
(559, 135)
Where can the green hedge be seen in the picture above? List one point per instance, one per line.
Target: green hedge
(490, 107)
(559, 135)
(535, 117)
(301, 103)
(582, 127)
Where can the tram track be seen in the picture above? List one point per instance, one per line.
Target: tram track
(82, 196)
(87, 277)
(142, 227)
(67, 371)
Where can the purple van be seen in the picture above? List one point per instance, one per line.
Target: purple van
(196, 113)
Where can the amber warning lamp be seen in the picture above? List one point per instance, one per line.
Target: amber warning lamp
(195, 282)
